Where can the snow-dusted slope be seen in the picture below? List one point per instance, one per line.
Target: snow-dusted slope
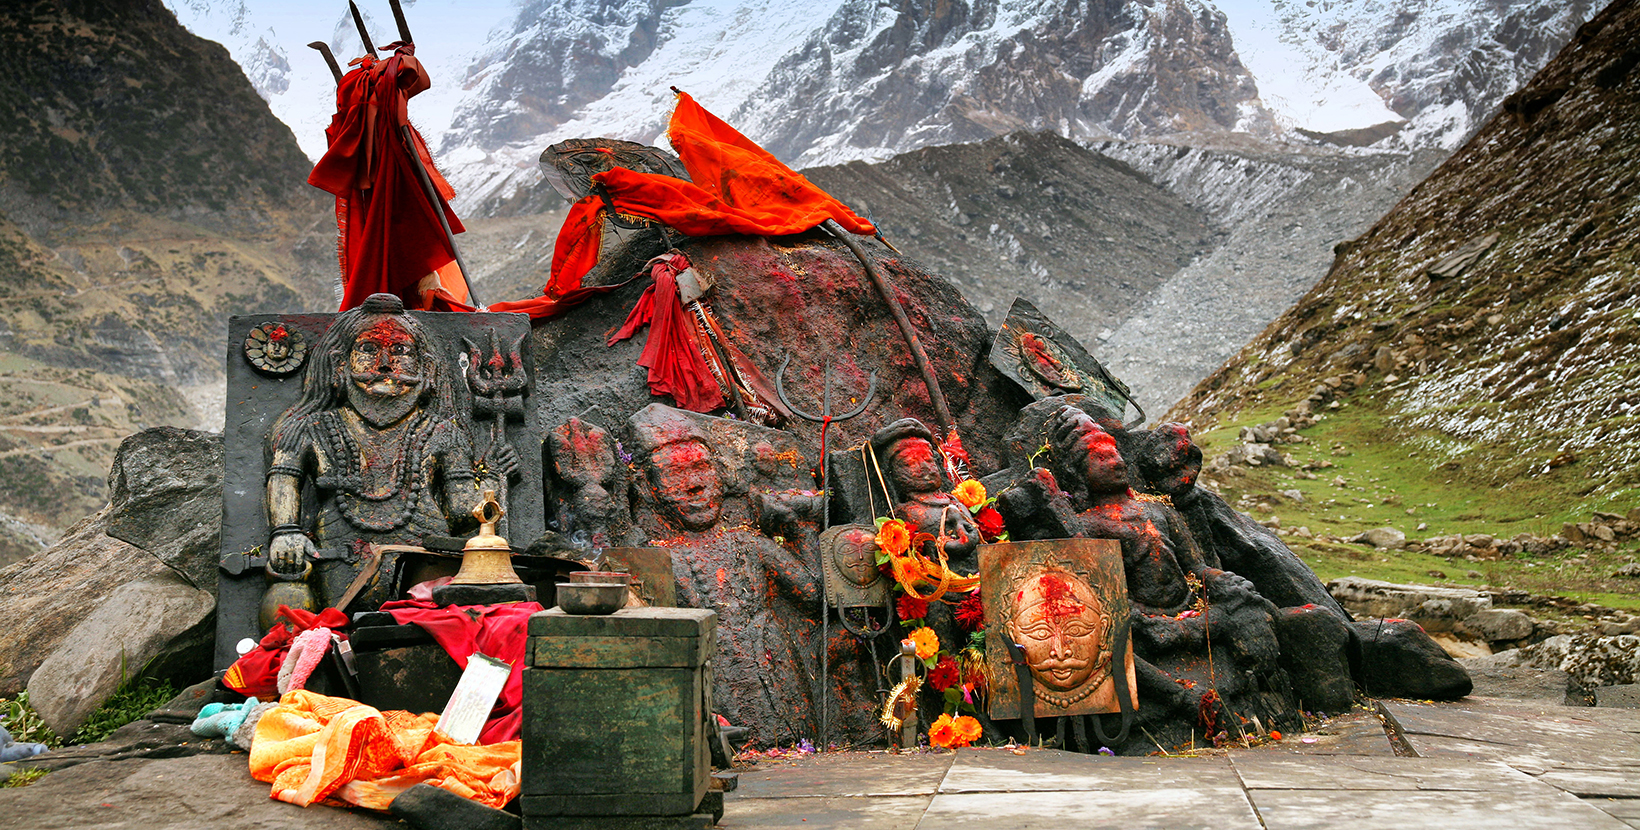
(1441, 67)
(835, 80)
(832, 80)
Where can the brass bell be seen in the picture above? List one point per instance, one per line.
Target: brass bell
(486, 559)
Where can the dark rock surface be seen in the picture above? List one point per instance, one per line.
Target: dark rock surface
(196, 792)
(165, 496)
(1399, 660)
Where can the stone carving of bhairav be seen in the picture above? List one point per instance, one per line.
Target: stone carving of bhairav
(376, 434)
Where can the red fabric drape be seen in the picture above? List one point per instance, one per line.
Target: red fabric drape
(256, 672)
(390, 238)
(500, 631)
(674, 362)
(738, 188)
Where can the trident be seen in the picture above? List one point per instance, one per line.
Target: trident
(824, 419)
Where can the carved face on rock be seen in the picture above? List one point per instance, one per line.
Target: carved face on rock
(914, 468)
(1062, 625)
(686, 483)
(384, 372)
(1103, 466)
(1170, 461)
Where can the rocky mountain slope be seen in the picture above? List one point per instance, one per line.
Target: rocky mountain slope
(1489, 325)
(146, 194)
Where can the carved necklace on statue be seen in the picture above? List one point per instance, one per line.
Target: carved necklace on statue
(347, 476)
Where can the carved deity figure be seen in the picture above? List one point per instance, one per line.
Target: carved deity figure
(695, 476)
(921, 494)
(1064, 629)
(374, 439)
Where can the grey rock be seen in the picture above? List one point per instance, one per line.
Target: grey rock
(1502, 675)
(1384, 538)
(1622, 696)
(46, 595)
(427, 807)
(1494, 624)
(1376, 598)
(198, 792)
(1631, 569)
(160, 625)
(165, 496)
(1295, 495)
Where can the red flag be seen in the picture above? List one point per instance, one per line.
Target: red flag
(390, 239)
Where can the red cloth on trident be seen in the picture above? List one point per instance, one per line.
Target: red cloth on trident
(738, 188)
(390, 237)
(500, 631)
(670, 354)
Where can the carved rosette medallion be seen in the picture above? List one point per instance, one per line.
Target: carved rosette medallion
(275, 349)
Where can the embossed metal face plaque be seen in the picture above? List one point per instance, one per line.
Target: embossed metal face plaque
(1064, 601)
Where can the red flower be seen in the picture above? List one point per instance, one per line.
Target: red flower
(944, 675)
(990, 523)
(911, 608)
(971, 612)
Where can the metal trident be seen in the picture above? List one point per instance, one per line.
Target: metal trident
(824, 419)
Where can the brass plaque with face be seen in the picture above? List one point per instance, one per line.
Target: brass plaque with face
(848, 561)
(1062, 601)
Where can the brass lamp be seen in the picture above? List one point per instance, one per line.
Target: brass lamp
(486, 559)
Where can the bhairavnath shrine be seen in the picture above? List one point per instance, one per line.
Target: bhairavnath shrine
(743, 475)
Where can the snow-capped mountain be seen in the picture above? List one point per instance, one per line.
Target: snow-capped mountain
(833, 80)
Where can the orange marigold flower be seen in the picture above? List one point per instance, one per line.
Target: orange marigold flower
(893, 537)
(971, 493)
(1275, 734)
(942, 732)
(966, 729)
(926, 641)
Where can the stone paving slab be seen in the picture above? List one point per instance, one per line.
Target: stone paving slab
(894, 812)
(1268, 772)
(1038, 770)
(1546, 737)
(1537, 808)
(1355, 733)
(846, 774)
(1622, 808)
(1595, 782)
(1182, 808)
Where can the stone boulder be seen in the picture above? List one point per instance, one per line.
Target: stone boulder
(1439, 608)
(1499, 624)
(165, 496)
(49, 593)
(1400, 660)
(159, 626)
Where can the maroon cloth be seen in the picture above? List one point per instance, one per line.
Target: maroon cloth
(390, 235)
(671, 354)
(499, 631)
(256, 672)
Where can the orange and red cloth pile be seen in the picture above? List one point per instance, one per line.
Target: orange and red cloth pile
(390, 239)
(318, 749)
(738, 188)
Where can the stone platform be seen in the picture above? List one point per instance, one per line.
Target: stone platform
(1479, 763)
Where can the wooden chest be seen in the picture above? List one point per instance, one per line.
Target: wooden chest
(616, 713)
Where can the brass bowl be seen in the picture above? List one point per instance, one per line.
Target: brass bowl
(585, 598)
(604, 577)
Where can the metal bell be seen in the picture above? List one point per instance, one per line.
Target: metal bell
(486, 559)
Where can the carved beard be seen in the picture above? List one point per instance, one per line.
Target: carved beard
(382, 410)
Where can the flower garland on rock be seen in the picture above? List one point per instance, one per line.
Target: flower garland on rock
(959, 674)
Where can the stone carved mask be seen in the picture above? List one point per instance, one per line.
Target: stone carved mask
(1064, 629)
(848, 554)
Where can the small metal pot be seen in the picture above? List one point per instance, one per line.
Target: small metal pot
(591, 597)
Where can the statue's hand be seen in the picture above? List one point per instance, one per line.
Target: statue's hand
(1224, 586)
(503, 460)
(288, 552)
